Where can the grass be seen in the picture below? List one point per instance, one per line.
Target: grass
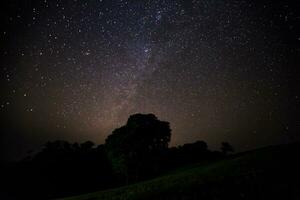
(267, 173)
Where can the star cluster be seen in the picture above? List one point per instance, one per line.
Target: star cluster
(216, 70)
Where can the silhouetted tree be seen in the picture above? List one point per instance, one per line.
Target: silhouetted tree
(226, 148)
(86, 146)
(189, 153)
(133, 149)
(62, 168)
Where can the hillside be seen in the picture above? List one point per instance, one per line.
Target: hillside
(267, 173)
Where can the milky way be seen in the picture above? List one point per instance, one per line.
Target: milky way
(216, 70)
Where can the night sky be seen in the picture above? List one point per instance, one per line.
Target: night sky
(218, 71)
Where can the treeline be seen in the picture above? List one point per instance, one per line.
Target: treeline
(134, 152)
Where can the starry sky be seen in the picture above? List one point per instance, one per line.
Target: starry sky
(217, 70)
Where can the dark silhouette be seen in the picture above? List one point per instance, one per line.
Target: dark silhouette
(190, 153)
(134, 152)
(226, 148)
(134, 148)
(61, 169)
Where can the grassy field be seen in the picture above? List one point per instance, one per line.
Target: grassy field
(267, 173)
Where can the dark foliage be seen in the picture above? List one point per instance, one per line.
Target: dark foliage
(60, 169)
(226, 148)
(135, 149)
(134, 152)
(191, 153)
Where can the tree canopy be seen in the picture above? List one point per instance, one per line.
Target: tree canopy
(135, 143)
